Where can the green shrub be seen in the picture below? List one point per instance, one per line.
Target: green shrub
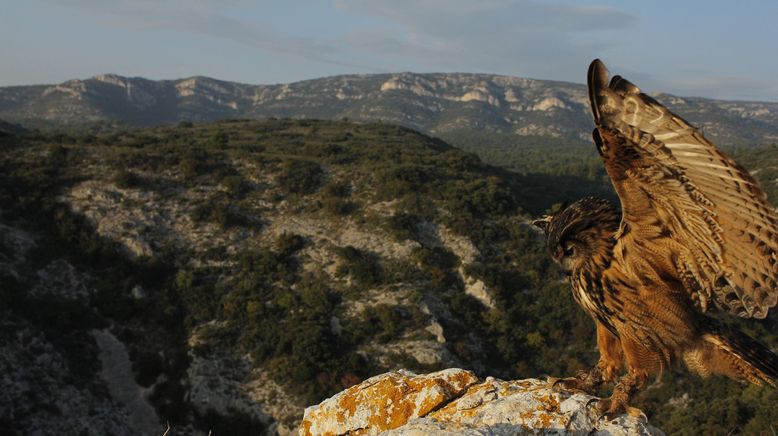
(219, 139)
(403, 226)
(190, 167)
(126, 179)
(438, 264)
(218, 211)
(361, 265)
(236, 185)
(338, 206)
(337, 189)
(300, 177)
(286, 244)
(384, 323)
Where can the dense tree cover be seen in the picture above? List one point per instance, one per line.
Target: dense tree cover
(267, 305)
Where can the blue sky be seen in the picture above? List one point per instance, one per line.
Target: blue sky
(717, 49)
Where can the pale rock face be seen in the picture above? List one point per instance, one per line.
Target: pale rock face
(548, 103)
(478, 290)
(535, 129)
(459, 245)
(210, 90)
(186, 88)
(397, 83)
(467, 253)
(436, 329)
(480, 94)
(454, 402)
(676, 100)
(69, 90)
(511, 97)
(135, 94)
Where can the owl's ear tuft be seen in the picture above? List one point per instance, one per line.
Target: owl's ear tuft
(542, 222)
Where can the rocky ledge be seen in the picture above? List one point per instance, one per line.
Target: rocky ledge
(454, 402)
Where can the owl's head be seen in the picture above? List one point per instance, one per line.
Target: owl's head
(582, 231)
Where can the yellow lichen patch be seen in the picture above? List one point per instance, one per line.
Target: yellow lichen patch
(517, 385)
(549, 403)
(347, 404)
(394, 405)
(544, 420)
(462, 380)
(305, 427)
(385, 402)
(526, 415)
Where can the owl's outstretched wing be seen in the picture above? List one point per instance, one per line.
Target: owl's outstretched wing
(684, 202)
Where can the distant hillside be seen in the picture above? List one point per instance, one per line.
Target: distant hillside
(7, 129)
(470, 110)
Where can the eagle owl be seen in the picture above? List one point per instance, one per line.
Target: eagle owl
(695, 235)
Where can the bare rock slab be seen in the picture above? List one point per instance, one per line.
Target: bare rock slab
(455, 402)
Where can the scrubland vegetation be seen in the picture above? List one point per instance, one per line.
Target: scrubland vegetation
(256, 297)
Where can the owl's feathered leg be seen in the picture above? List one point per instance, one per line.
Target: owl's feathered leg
(641, 362)
(607, 368)
(622, 393)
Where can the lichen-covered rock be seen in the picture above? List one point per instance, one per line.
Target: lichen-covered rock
(454, 401)
(385, 402)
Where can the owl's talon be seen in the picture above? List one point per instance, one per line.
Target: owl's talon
(590, 402)
(637, 414)
(567, 384)
(584, 381)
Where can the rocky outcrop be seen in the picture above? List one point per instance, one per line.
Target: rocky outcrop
(455, 401)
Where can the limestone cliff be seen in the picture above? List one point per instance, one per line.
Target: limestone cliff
(455, 401)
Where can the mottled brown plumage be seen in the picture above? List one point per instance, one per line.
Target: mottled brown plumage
(695, 235)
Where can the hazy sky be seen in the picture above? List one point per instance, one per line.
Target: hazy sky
(714, 48)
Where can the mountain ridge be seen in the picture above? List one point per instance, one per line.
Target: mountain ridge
(441, 104)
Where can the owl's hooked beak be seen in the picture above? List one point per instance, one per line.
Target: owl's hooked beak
(542, 222)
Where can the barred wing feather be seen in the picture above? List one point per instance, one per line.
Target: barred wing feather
(684, 201)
